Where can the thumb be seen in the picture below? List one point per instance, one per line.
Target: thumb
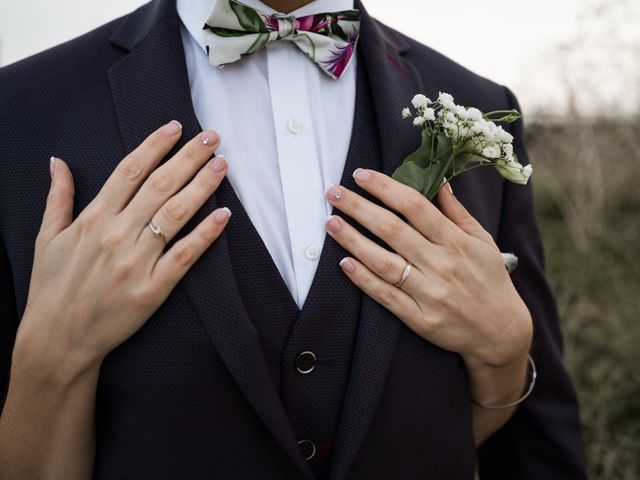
(59, 210)
(455, 211)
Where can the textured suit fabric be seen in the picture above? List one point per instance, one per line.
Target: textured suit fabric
(194, 394)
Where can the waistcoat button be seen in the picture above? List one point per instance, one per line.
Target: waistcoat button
(308, 449)
(305, 362)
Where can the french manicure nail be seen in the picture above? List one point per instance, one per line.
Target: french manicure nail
(448, 184)
(221, 215)
(209, 137)
(52, 166)
(347, 265)
(361, 175)
(333, 225)
(171, 128)
(334, 193)
(218, 163)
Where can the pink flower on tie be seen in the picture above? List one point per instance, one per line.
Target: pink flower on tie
(312, 23)
(340, 58)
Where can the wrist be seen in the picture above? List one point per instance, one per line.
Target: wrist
(44, 362)
(506, 348)
(498, 385)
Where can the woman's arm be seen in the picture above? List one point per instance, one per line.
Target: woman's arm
(47, 425)
(496, 385)
(95, 282)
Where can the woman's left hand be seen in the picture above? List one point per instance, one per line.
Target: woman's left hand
(458, 294)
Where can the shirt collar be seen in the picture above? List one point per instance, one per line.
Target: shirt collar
(193, 13)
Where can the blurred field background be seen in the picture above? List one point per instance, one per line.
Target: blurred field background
(587, 183)
(575, 66)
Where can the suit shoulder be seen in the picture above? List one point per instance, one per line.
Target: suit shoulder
(468, 87)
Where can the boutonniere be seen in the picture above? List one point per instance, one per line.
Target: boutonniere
(455, 140)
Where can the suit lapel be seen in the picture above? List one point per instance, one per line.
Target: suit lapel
(149, 87)
(393, 83)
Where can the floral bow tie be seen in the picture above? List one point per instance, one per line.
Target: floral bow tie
(234, 30)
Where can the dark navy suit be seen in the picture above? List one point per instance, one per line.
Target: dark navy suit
(210, 388)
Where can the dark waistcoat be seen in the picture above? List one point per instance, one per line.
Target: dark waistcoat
(308, 351)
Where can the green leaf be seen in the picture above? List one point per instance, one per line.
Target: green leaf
(225, 32)
(411, 175)
(248, 18)
(423, 156)
(434, 181)
(337, 30)
(507, 116)
(443, 150)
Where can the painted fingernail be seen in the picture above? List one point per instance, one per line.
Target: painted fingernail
(361, 175)
(52, 166)
(333, 225)
(446, 182)
(334, 193)
(209, 137)
(222, 215)
(171, 128)
(218, 163)
(347, 265)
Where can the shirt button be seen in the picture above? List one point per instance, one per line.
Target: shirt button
(312, 251)
(294, 126)
(306, 362)
(308, 449)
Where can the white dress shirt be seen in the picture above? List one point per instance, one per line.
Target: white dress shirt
(285, 127)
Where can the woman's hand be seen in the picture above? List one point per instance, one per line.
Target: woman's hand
(96, 280)
(458, 295)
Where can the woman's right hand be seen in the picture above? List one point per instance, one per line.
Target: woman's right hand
(96, 280)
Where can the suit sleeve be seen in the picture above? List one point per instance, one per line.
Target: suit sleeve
(543, 438)
(8, 322)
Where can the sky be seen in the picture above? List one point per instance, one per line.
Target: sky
(547, 51)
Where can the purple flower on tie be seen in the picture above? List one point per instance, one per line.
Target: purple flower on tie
(312, 23)
(270, 22)
(340, 57)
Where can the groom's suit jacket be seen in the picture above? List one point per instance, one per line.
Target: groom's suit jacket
(208, 388)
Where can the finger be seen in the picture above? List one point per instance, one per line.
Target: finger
(170, 177)
(378, 220)
(125, 180)
(421, 213)
(393, 299)
(389, 266)
(173, 265)
(458, 214)
(177, 211)
(58, 213)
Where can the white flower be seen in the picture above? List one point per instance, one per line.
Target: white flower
(420, 101)
(477, 127)
(503, 135)
(446, 101)
(474, 114)
(463, 132)
(450, 118)
(418, 121)
(429, 114)
(507, 149)
(513, 171)
(406, 113)
(491, 151)
(461, 111)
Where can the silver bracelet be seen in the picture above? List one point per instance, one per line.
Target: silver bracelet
(532, 383)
